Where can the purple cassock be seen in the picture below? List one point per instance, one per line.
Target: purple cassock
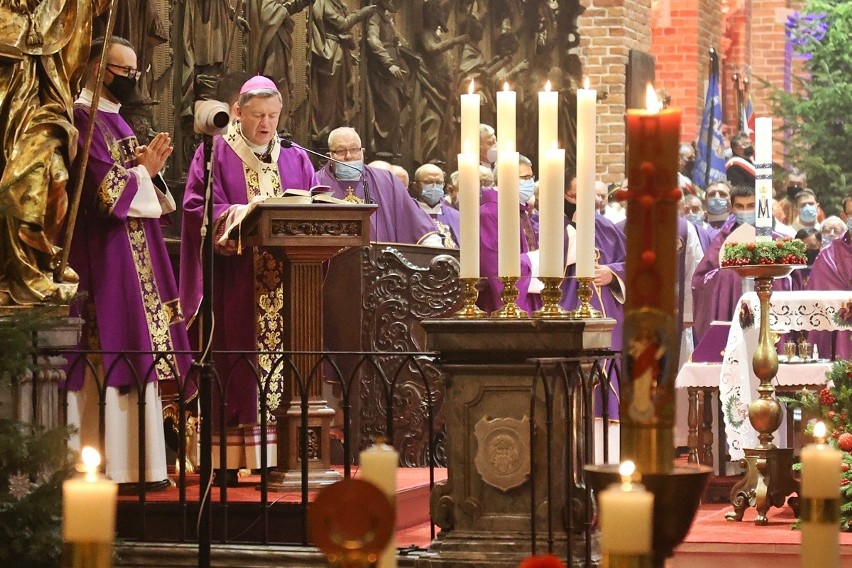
(609, 300)
(124, 267)
(398, 219)
(446, 221)
(715, 291)
(248, 292)
(489, 297)
(832, 270)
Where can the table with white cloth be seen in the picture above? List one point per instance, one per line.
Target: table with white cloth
(789, 311)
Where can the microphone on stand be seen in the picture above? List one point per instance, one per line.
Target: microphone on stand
(287, 142)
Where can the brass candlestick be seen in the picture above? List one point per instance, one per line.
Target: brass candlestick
(550, 295)
(509, 295)
(767, 481)
(470, 310)
(584, 294)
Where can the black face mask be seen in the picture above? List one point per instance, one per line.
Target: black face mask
(688, 166)
(811, 254)
(570, 209)
(122, 88)
(792, 192)
(748, 151)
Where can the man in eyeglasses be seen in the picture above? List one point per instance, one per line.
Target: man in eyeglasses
(399, 219)
(119, 252)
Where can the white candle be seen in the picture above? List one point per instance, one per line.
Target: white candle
(548, 121)
(552, 213)
(508, 215)
(378, 466)
(505, 120)
(821, 476)
(586, 152)
(470, 122)
(763, 173)
(88, 504)
(626, 516)
(469, 214)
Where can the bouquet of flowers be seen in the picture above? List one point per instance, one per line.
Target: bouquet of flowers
(833, 406)
(782, 251)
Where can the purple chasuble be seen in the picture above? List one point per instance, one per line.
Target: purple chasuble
(832, 270)
(489, 297)
(124, 267)
(716, 291)
(398, 220)
(449, 218)
(242, 283)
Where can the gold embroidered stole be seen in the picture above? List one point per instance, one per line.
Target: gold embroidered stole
(263, 179)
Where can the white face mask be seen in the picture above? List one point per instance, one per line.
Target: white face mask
(491, 154)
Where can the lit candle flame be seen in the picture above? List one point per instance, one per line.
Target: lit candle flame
(506, 86)
(547, 86)
(470, 88)
(819, 432)
(652, 103)
(91, 460)
(586, 83)
(626, 471)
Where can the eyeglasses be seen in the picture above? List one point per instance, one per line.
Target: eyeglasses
(129, 72)
(528, 177)
(346, 152)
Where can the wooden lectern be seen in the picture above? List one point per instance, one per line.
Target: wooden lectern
(307, 235)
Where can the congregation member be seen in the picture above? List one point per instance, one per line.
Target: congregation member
(526, 192)
(717, 201)
(249, 165)
(612, 211)
(692, 209)
(739, 168)
(784, 209)
(813, 243)
(132, 300)
(428, 190)
(489, 297)
(832, 228)
(401, 174)
(451, 190)
(832, 270)
(715, 291)
(806, 211)
(487, 146)
(398, 219)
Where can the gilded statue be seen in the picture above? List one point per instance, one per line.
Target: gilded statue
(333, 83)
(43, 45)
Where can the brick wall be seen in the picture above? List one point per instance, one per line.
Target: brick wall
(609, 30)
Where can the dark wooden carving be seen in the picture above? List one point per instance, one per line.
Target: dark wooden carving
(399, 286)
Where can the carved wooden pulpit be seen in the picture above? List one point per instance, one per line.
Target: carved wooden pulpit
(307, 235)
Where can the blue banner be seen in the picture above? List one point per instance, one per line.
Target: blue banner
(710, 152)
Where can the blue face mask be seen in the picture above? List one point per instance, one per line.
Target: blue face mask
(808, 213)
(744, 217)
(526, 189)
(349, 173)
(432, 193)
(695, 218)
(717, 206)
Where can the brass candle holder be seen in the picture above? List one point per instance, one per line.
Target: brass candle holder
(550, 295)
(509, 296)
(584, 294)
(470, 310)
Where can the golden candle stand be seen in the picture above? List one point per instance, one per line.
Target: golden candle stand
(470, 292)
(584, 294)
(509, 295)
(768, 479)
(550, 296)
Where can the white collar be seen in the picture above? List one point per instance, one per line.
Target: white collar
(104, 104)
(436, 210)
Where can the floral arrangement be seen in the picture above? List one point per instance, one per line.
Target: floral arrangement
(781, 251)
(833, 406)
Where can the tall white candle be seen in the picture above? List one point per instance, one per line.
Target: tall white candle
(586, 156)
(378, 466)
(548, 121)
(469, 215)
(470, 122)
(820, 494)
(506, 125)
(763, 174)
(551, 213)
(508, 215)
(88, 504)
(626, 516)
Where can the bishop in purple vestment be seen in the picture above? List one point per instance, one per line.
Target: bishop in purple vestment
(832, 270)
(119, 252)
(249, 165)
(398, 219)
